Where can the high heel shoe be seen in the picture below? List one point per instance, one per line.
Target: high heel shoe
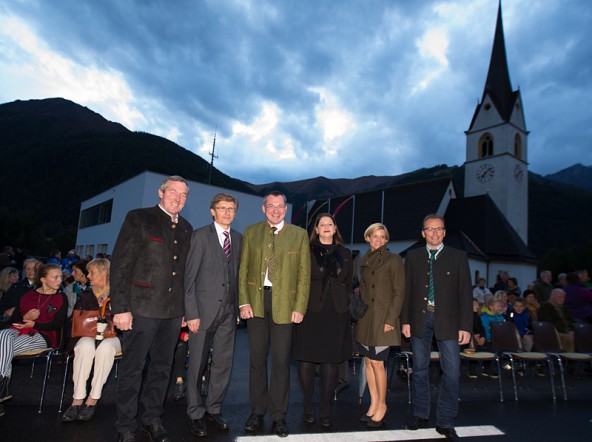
(365, 418)
(376, 424)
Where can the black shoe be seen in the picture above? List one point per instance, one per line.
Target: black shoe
(325, 421)
(448, 433)
(472, 374)
(126, 436)
(86, 413)
(4, 393)
(218, 420)
(156, 432)
(365, 418)
(2, 412)
(198, 427)
(71, 413)
(254, 422)
(309, 417)
(416, 423)
(179, 392)
(281, 428)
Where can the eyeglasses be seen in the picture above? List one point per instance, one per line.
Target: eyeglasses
(434, 229)
(226, 209)
(279, 207)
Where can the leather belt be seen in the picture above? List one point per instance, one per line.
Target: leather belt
(431, 308)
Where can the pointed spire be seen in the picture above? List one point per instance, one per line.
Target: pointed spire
(498, 84)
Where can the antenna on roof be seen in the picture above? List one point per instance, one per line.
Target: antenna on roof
(212, 156)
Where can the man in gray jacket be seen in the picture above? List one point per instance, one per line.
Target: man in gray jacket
(211, 311)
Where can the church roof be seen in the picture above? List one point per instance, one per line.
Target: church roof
(477, 226)
(403, 210)
(484, 224)
(498, 85)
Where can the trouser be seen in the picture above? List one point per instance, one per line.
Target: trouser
(155, 338)
(12, 344)
(220, 337)
(421, 347)
(85, 352)
(267, 337)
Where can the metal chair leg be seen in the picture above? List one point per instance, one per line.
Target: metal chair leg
(550, 365)
(46, 376)
(64, 382)
(499, 379)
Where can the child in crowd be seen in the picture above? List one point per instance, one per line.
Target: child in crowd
(519, 315)
(492, 312)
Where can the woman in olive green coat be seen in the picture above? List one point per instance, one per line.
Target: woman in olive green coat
(382, 286)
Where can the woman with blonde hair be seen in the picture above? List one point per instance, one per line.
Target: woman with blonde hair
(86, 351)
(382, 286)
(8, 277)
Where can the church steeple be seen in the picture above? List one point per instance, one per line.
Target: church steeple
(498, 84)
(496, 161)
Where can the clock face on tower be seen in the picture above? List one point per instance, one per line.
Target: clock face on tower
(518, 173)
(485, 173)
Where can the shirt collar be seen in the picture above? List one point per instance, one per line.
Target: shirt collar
(219, 229)
(279, 227)
(439, 249)
(174, 218)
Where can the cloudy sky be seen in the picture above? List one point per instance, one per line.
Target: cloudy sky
(302, 88)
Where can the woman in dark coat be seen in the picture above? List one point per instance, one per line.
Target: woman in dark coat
(382, 286)
(323, 339)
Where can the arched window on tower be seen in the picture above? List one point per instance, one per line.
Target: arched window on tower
(485, 145)
(518, 146)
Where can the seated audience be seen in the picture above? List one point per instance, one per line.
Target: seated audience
(86, 351)
(481, 290)
(502, 282)
(578, 298)
(555, 312)
(9, 276)
(35, 322)
(513, 291)
(532, 304)
(585, 278)
(561, 280)
(81, 283)
(542, 286)
(520, 316)
(502, 297)
(492, 312)
(13, 295)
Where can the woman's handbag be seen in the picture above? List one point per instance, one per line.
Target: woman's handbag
(357, 307)
(84, 323)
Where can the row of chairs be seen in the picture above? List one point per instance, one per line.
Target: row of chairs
(507, 346)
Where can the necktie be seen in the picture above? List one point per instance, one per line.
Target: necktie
(271, 263)
(431, 287)
(226, 245)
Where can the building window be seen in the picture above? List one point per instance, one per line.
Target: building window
(518, 146)
(95, 215)
(102, 248)
(90, 250)
(485, 146)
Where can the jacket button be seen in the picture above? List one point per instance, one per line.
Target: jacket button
(425, 299)
(174, 226)
(175, 242)
(170, 289)
(175, 257)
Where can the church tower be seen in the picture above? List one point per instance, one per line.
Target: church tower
(496, 159)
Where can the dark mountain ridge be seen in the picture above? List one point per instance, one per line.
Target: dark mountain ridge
(57, 154)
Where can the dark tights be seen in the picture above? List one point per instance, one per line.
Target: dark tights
(329, 373)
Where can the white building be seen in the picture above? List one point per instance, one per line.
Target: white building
(101, 216)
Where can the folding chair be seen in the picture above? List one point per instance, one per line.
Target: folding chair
(46, 353)
(583, 337)
(546, 340)
(506, 342)
(483, 356)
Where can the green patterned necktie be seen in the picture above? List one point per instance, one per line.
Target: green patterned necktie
(431, 286)
(271, 263)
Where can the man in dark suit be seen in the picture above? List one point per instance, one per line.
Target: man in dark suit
(438, 303)
(274, 282)
(211, 310)
(147, 294)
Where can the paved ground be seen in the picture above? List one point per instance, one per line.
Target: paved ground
(534, 417)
